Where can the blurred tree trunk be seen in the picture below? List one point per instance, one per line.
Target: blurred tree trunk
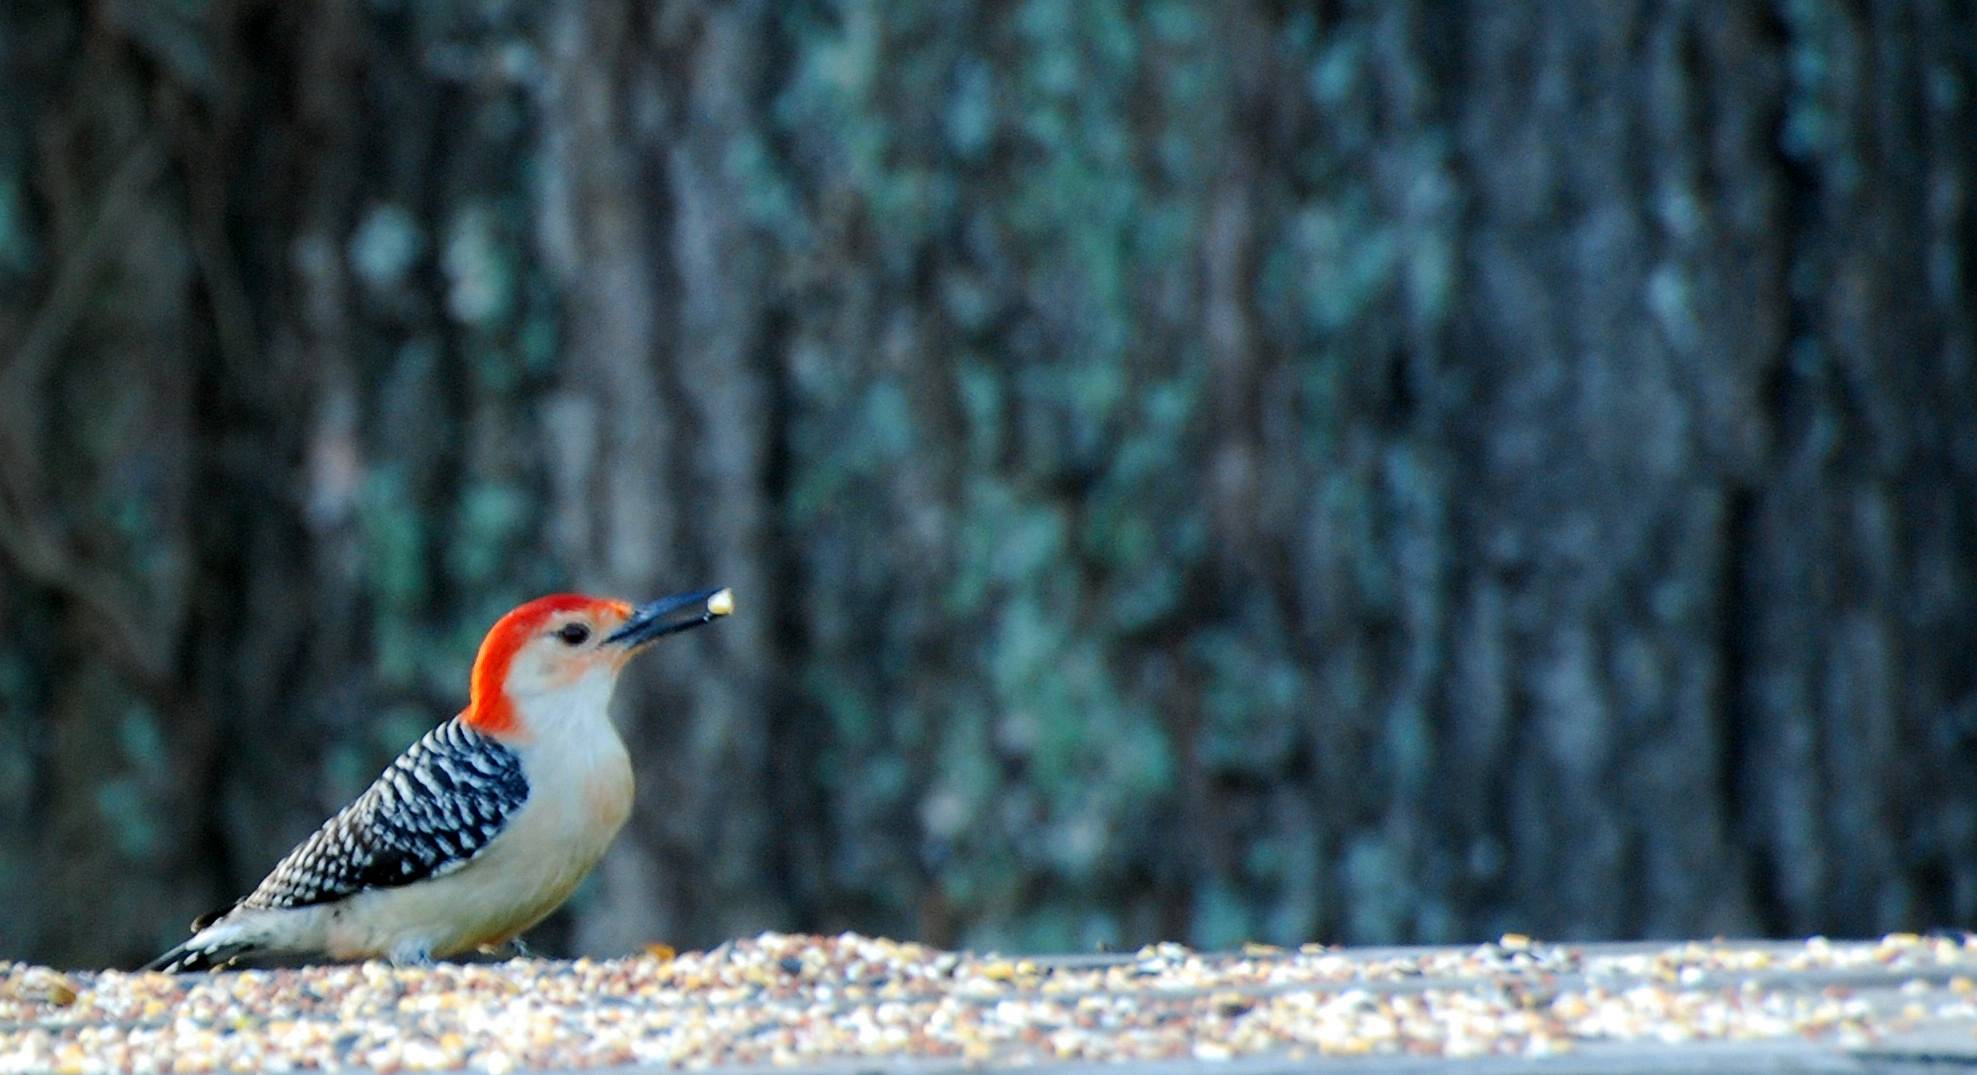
(1390, 472)
(666, 402)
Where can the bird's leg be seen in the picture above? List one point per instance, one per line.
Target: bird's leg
(411, 952)
(512, 948)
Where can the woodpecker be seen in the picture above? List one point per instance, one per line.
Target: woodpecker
(482, 827)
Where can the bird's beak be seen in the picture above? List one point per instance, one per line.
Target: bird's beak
(669, 614)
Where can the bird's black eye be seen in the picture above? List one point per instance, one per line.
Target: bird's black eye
(573, 633)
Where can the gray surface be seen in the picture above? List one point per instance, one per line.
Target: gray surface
(1917, 1013)
(1941, 1046)
(1700, 1058)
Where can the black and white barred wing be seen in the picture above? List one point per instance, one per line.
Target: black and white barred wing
(431, 812)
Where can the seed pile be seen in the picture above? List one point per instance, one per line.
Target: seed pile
(787, 1000)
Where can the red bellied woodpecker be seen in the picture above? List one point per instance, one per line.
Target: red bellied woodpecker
(482, 827)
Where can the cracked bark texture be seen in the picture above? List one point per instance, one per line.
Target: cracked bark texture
(1349, 472)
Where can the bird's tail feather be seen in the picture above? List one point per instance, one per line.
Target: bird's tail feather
(198, 955)
(216, 944)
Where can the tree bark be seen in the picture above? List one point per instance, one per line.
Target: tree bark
(1209, 472)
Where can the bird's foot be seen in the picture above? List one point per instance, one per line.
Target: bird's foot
(411, 955)
(508, 949)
